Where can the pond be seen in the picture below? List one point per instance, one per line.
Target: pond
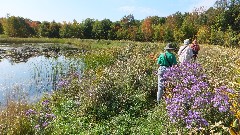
(30, 70)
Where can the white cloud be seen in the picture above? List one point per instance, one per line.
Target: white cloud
(148, 10)
(202, 3)
(127, 9)
(137, 10)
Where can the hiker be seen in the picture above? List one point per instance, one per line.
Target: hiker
(165, 60)
(185, 52)
(195, 48)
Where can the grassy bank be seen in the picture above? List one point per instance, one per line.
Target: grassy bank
(86, 43)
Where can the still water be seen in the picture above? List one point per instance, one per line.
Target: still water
(29, 71)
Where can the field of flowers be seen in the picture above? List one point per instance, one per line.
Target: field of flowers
(116, 94)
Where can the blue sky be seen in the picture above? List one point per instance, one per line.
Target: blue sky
(68, 10)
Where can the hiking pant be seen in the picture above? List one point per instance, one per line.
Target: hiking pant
(161, 71)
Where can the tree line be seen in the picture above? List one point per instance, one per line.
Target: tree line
(217, 25)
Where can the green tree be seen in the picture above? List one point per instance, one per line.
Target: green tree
(189, 28)
(157, 20)
(203, 34)
(54, 30)
(1, 28)
(77, 29)
(66, 31)
(157, 36)
(168, 35)
(115, 26)
(230, 38)
(232, 16)
(106, 25)
(87, 25)
(44, 29)
(216, 37)
(173, 23)
(97, 29)
(71, 30)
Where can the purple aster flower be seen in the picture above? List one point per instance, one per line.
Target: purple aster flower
(191, 97)
(37, 126)
(45, 124)
(30, 111)
(63, 83)
(45, 102)
(47, 115)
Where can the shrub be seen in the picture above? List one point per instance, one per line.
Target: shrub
(191, 101)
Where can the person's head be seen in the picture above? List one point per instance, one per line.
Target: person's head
(186, 42)
(194, 41)
(169, 47)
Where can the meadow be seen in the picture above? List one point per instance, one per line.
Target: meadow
(116, 94)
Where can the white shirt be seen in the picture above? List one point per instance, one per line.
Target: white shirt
(185, 53)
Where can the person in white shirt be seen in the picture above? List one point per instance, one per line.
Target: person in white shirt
(185, 52)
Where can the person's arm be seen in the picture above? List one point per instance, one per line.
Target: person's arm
(198, 47)
(159, 60)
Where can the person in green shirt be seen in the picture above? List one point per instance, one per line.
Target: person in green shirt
(165, 60)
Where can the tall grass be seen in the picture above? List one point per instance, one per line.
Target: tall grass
(13, 120)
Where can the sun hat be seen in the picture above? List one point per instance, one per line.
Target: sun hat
(169, 46)
(186, 41)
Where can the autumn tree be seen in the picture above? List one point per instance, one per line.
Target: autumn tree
(16, 27)
(34, 25)
(127, 24)
(175, 21)
(172, 27)
(147, 29)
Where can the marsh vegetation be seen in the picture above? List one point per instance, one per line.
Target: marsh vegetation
(116, 94)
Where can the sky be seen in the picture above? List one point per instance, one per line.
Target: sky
(115, 10)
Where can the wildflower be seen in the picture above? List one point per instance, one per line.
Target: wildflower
(221, 99)
(45, 124)
(189, 98)
(194, 118)
(37, 126)
(62, 83)
(45, 102)
(47, 115)
(30, 111)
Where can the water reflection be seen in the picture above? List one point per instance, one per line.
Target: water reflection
(32, 70)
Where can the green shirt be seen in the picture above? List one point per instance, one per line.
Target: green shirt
(162, 61)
